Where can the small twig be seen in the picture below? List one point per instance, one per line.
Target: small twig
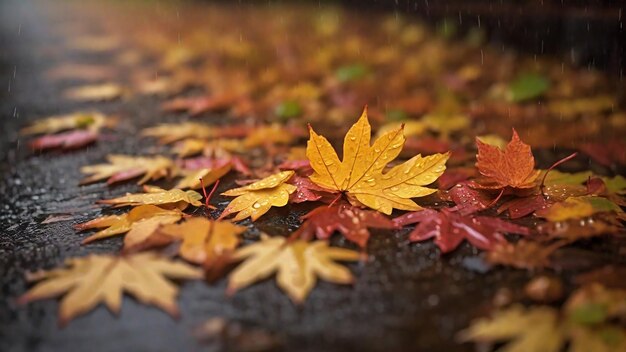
(495, 200)
(207, 197)
(335, 200)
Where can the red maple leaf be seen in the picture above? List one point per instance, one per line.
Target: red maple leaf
(450, 228)
(512, 167)
(350, 221)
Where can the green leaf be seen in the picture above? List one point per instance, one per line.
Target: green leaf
(527, 86)
(591, 313)
(351, 73)
(288, 109)
(396, 115)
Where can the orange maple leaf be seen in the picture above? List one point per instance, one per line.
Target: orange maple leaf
(512, 167)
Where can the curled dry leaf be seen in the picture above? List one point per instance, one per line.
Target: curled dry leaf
(257, 198)
(103, 278)
(360, 174)
(297, 265)
(139, 223)
(174, 198)
(350, 221)
(512, 167)
(97, 92)
(123, 167)
(450, 228)
(204, 241)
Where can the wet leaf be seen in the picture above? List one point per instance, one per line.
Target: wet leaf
(191, 178)
(96, 279)
(257, 198)
(512, 167)
(174, 198)
(360, 174)
(450, 228)
(350, 221)
(66, 140)
(204, 241)
(577, 207)
(123, 167)
(297, 265)
(140, 222)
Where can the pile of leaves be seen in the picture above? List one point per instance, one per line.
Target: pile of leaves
(499, 201)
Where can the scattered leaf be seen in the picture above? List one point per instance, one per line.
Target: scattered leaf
(257, 198)
(102, 278)
(350, 221)
(174, 198)
(297, 265)
(450, 228)
(123, 167)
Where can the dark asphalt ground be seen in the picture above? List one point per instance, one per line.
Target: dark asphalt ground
(406, 298)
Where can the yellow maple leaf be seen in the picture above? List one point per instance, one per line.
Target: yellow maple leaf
(204, 241)
(138, 223)
(257, 198)
(174, 198)
(103, 278)
(360, 174)
(297, 265)
(123, 167)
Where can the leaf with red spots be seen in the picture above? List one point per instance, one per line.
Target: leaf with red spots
(512, 167)
(450, 228)
(350, 221)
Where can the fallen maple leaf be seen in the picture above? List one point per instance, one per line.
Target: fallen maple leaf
(257, 198)
(204, 241)
(296, 263)
(102, 278)
(123, 167)
(512, 167)
(350, 221)
(450, 228)
(174, 198)
(360, 174)
(139, 222)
